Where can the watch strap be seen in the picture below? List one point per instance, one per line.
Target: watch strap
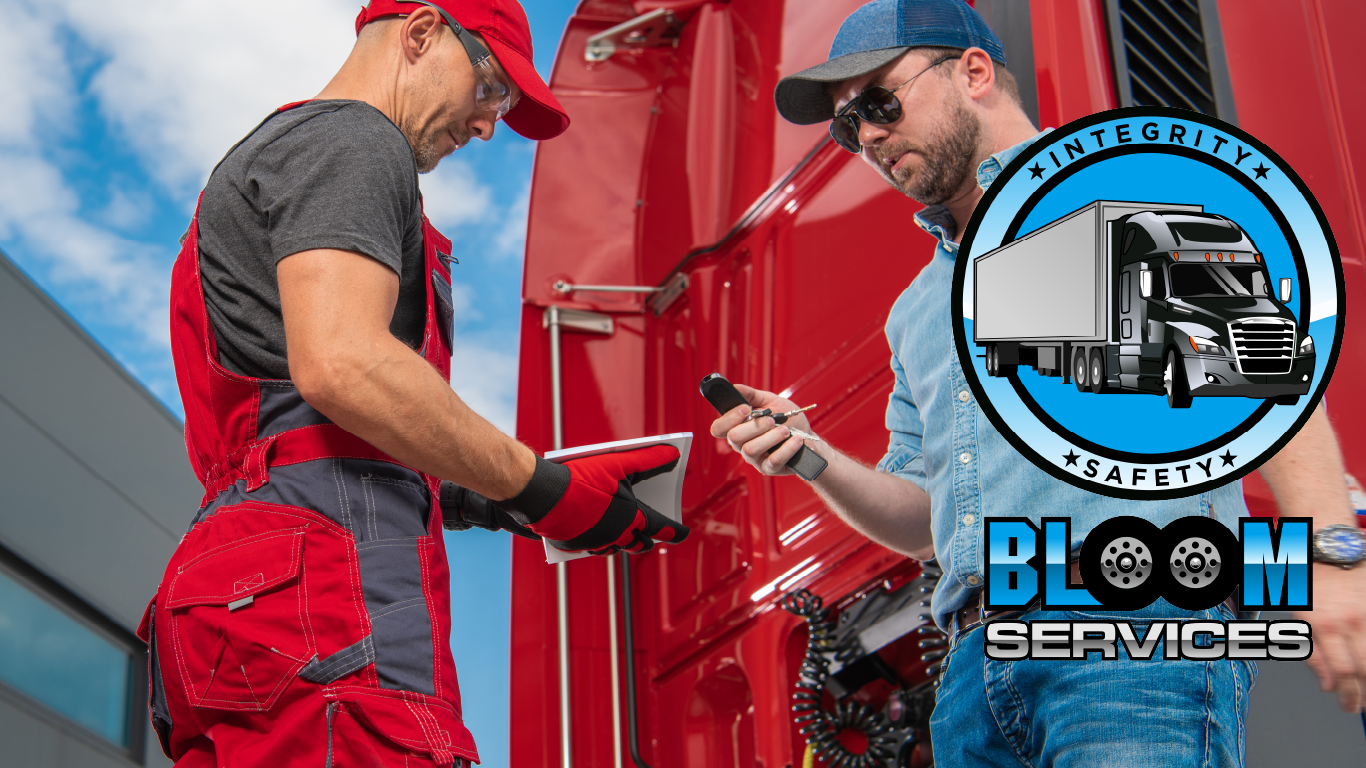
(807, 464)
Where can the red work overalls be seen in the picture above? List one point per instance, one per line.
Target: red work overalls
(305, 617)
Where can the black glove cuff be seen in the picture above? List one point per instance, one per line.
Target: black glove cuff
(455, 506)
(543, 491)
(463, 509)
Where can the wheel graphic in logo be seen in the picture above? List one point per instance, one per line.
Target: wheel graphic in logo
(1127, 563)
(1148, 304)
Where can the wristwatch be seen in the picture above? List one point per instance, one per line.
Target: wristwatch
(1341, 545)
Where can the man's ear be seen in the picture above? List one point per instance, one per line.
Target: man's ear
(419, 33)
(980, 72)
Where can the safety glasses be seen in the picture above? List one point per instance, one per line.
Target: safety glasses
(492, 93)
(877, 105)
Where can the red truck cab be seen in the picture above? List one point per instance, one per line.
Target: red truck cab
(678, 175)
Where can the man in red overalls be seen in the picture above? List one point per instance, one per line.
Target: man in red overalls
(305, 617)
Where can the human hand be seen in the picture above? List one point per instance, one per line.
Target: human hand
(754, 439)
(587, 504)
(1339, 632)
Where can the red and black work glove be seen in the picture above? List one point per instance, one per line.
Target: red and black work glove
(587, 504)
(463, 509)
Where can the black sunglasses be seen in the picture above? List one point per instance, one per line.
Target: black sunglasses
(878, 105)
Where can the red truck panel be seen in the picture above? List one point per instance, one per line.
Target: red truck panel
(670, 148)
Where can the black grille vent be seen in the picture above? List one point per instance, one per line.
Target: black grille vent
(1169, 54)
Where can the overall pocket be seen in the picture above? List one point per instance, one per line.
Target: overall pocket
(238, 623)
(411, 721)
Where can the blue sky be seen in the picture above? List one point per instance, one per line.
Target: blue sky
(111, 118)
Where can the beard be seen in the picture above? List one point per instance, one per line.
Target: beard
(424, 141)
(424, 138)
(948, 158)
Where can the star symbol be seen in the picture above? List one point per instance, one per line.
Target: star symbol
(1261, 170)
(1036, 171)
(1228, 458)
(1071, 458)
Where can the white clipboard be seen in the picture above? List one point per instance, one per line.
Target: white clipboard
(662, 493)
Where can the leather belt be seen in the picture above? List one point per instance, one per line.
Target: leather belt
(974, 615)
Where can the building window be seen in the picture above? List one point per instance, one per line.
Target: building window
(61, 662)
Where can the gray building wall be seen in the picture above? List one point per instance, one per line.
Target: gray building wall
(95, 492)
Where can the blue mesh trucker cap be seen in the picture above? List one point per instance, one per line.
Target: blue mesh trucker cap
(873, 36)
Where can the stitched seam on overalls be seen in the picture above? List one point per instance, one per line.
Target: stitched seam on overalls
(422, 558)
(370, 511)
(343, 495)
(307, 622)
(398, 605)
(331, 711)
(429, 728)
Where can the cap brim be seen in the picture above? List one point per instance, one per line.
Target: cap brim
(538, 115)
(802, 98)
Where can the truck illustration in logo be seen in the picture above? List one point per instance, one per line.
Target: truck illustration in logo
(1134, 297)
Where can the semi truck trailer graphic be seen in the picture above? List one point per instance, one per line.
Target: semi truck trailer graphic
(1133, 297)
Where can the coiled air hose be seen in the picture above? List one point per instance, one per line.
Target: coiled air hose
(820, 726)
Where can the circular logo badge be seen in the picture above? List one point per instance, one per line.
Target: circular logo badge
(1149, 303)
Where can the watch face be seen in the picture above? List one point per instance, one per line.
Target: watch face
(1341, 545)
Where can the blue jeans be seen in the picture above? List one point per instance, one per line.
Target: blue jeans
(1082, 714)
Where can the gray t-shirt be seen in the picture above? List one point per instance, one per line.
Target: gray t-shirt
(326, 174)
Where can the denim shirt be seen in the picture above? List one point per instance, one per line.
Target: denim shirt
(943, 442)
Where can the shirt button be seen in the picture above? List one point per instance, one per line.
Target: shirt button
(964, 396)
(973, 580)
(969, 519)
(965, 457)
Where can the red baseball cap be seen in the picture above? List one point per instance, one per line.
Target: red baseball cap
(504, 27)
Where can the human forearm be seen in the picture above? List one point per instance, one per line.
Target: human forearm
(888, 509)
(384, 393)
(1307, 478)
(337, 308)
(1307, 475)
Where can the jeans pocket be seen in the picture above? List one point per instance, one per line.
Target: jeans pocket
(237, 621)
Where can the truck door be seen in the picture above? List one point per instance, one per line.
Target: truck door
(1140, 350)
(1156, 322)
(1130, 327)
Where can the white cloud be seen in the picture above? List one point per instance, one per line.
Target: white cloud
(118, 280)
(484, 375)
(452, 196)
(38, 82)
(185, 80)
(462, 301)
(511, 239)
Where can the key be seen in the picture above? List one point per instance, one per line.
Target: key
(782, 418)
(804, 435)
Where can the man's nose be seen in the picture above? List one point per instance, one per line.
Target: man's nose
(480, 126)
(871, 134)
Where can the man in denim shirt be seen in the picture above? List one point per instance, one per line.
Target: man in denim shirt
(920, 89)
